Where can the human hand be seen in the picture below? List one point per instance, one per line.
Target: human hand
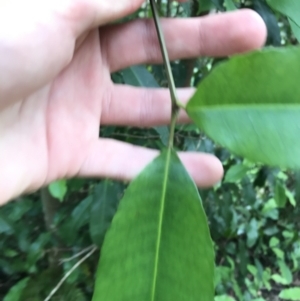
(55, 87)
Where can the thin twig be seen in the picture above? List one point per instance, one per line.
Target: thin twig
(69, 273)
(175, 103)
(76, 255)
(165, 55)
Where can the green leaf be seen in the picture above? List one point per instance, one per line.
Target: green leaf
(15, 292)
(229, 4)
(250, 106)
(252, 233)
(158, 247)
(279, 279)
(139, 76)
(105, 201)
(224, 298)
(6, 226)
(280, 196)
(58, 189)
(279, 253)
(290, 8)
(295, 28)
(285, 272)
(290, 294)
(236, 173)
(77, 219)
(204, 6)
(290, 197)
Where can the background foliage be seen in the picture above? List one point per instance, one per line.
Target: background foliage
(253, 214)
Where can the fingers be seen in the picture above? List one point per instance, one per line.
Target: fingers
(215, 35)
(88, 14)
(141, 107)
(122, 161)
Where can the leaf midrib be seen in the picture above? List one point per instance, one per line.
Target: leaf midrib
(160, 221)
(229, 107)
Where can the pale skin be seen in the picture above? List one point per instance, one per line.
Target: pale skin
(55, 87)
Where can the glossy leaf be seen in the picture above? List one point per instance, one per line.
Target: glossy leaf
(158, 247)
(249, 106)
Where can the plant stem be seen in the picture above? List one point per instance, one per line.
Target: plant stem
(175, 103)
(50, 208)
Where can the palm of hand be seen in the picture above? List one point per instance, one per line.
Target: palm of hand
(57, 127)
(53, 133)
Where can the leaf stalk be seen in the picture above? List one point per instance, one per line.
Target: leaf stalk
(176, 105)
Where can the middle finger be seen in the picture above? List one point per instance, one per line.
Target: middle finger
(214, 35)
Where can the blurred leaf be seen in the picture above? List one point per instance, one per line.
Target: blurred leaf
(21, 208)
(279, 253)
(219, 4)
(252, 269)
(274, 242)
(290, 8)
(158, 237)
(224, 298)
(242, 106)
(290, 197)
(78, 218)
(105, 201)
(58, 189)
(285, 272)
(279, 279)
(236, 173)
(229, 4)
(15, 292)
(139, 76)
(252, 233)
(204, 6)
(280, 196)
(81, 214)
(39, 287)
(5, 225)
(270, 20)
(290, 294)
(295, 28)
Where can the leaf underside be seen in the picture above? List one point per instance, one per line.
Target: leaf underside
(158, 247)
(251, 105)
(287, 7)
